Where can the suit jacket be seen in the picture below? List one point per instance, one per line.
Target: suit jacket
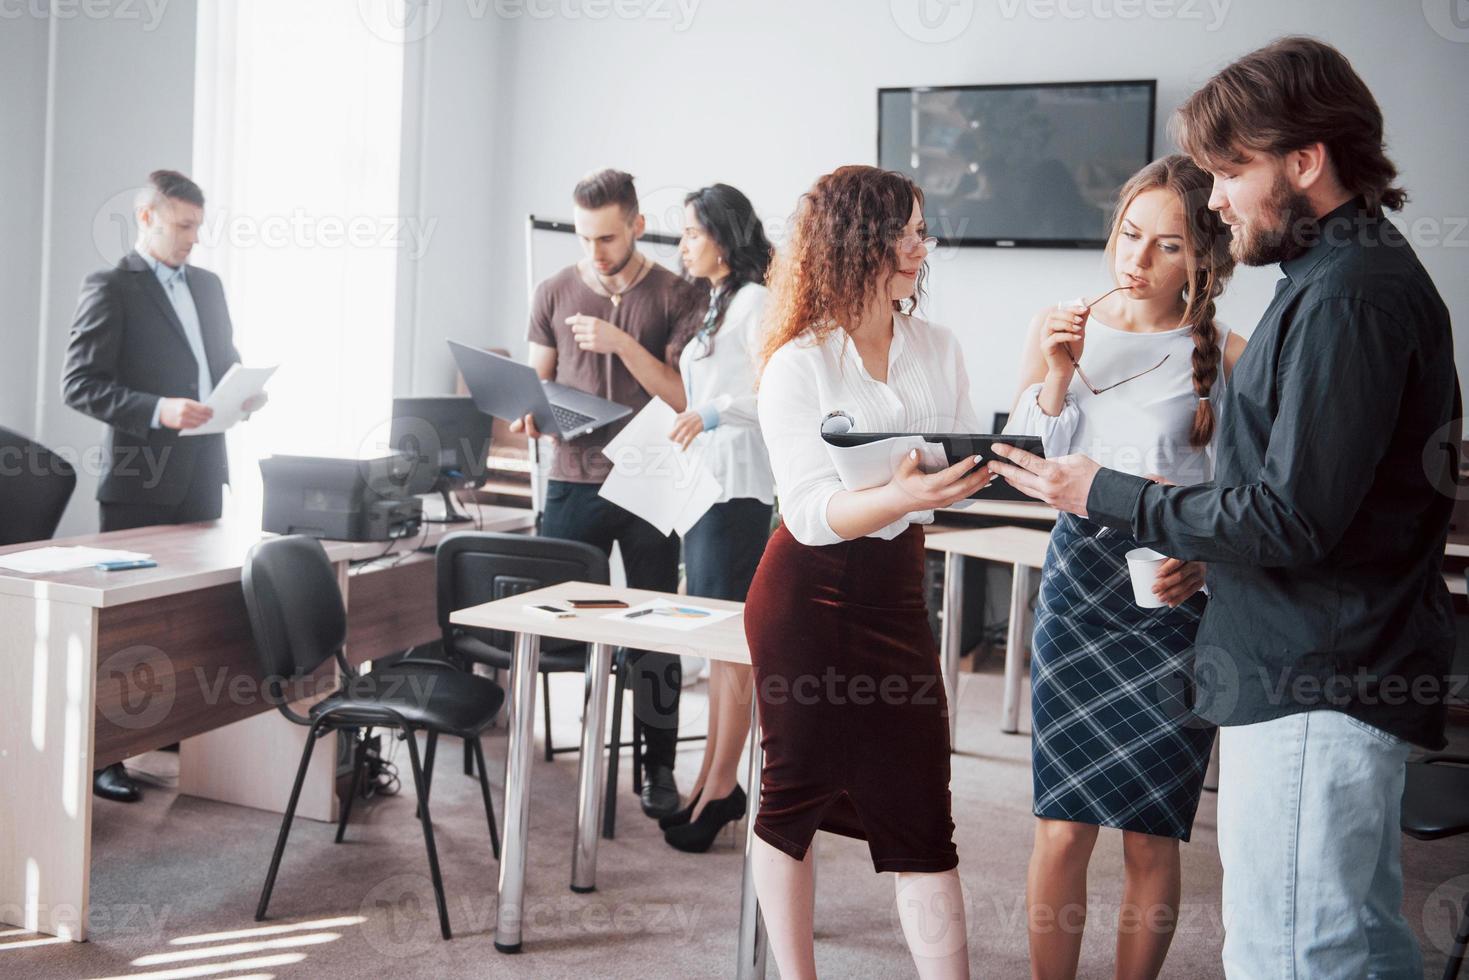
(128, 350)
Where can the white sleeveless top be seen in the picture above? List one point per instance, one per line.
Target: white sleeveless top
(1141, 427)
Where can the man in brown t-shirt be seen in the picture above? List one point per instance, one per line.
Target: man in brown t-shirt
(613, 325)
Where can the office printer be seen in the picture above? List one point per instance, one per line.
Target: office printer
(340, 499)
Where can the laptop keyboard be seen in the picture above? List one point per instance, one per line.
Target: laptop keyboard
(568, 420)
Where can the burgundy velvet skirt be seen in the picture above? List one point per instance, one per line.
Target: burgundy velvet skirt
(851, 701)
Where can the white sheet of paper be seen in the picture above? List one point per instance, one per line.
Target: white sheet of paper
(673, 615)
(37, 561)
(873, 464)
(239, 385)
(652, 477)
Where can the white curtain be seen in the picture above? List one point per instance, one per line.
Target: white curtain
(297, 132)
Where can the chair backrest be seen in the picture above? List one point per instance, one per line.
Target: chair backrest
(35, 485)
(295, 605)
(481, 566)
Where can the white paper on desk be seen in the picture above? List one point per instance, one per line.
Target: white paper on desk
(873, 464)
(239, 385)
(673, 615)
(652, 477)
(37, 561)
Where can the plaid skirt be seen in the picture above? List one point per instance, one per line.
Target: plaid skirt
(1116, 742)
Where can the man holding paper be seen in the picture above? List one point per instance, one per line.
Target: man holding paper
(150, 341)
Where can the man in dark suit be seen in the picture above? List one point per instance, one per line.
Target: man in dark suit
(150, 340)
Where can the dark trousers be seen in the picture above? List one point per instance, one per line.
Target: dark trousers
(200, 503)
(722, 551)
(575, 512)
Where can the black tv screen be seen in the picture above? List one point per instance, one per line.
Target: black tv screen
(1018, 165)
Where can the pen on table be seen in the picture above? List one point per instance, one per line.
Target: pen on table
(640, 612)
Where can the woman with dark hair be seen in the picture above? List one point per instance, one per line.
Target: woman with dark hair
(1115, 744)
(723, 242)
(846, 669)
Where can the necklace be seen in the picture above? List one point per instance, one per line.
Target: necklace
(616, 295)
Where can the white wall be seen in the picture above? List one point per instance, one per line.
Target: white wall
(114, 85)
(768, 94)
(22, 169)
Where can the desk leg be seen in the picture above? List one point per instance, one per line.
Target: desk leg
(751, 955)
(523, 670)
(1016, 641)
(950, 647)
(592, 772)
(48, 707)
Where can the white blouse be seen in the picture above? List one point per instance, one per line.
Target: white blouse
(721, 388)
(1140, 427)
(927, 390)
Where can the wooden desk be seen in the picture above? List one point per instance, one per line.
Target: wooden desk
(1024, 549)
(724, 640)
(99, 666)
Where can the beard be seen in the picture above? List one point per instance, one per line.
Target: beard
(1285, 229)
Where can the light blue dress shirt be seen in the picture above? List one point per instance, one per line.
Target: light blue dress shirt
(176, 288)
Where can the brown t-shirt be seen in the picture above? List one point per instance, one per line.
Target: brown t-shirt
(661, 312)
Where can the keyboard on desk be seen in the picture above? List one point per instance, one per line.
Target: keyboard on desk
(568, 419)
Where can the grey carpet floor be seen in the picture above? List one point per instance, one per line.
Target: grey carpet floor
(175, 880)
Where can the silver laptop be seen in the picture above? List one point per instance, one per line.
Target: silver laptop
(509, 390)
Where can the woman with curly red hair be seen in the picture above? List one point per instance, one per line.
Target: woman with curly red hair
(847, 673)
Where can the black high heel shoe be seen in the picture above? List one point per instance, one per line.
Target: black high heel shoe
(680, 817)
(697, 836)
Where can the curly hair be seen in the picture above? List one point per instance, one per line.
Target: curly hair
(842, 248)
(1206, 253)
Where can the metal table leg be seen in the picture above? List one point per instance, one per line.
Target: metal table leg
(1016, 641)
(592, 774)
(523, 668)
(950, 647)
(751, 951)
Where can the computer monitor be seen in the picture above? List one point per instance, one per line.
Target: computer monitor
(448, 440)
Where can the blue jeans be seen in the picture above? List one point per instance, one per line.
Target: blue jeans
(1309, 810)
(575, 511)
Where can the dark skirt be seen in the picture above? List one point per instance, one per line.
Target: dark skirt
(1116, 742)
(851, 701)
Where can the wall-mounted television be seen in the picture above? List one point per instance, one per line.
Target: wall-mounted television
(1029, 166)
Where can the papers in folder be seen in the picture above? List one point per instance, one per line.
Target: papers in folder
(239, 385)
(652, 477)
(36, 561)
(872, 464)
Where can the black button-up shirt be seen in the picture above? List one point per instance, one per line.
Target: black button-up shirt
(1334, 478)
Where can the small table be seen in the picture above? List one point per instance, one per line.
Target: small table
(724, 640)
(1024, 550)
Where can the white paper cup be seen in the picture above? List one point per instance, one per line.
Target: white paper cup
(1144, 563)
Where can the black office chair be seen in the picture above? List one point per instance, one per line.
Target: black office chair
(299, 622)
(480, 566)
(35, 486)
(1436, 805)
